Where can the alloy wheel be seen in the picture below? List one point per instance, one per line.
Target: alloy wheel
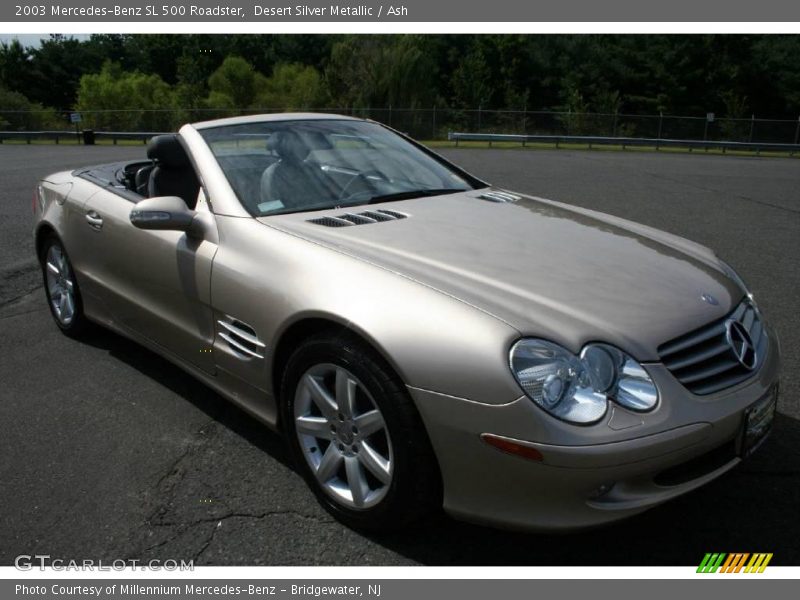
(60, 284)
(343, 436)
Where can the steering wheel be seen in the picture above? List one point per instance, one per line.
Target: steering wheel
(364, 175)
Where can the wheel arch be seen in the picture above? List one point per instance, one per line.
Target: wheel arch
(43, 231)
(309, 325)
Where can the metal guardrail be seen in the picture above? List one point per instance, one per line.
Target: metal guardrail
(556, 140)
(657, 143)
(57, 136)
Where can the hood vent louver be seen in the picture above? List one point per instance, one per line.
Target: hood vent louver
(362, 218)
(498, 196)
(241, 338)
(331, 221)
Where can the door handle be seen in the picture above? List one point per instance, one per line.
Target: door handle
(94, 219)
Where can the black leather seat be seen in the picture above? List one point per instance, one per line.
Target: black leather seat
(142, 179)
(173, 174)
(292, 182)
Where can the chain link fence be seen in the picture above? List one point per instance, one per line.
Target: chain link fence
(435, 123)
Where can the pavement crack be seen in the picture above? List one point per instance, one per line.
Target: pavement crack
(168, 481)
(18, 281)
(181, 528)
(696, 186)
(241, 515)
(703, 188)
(21, 313)
(206, 544)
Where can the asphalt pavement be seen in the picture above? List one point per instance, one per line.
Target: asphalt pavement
(109, 451)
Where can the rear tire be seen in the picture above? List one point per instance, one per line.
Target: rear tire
(356, 436)
(61, 288)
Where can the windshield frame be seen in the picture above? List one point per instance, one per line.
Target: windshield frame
(470, 180)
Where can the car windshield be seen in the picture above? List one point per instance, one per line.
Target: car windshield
(288, 166)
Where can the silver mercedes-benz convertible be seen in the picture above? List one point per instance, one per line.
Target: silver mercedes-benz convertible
(421, 338)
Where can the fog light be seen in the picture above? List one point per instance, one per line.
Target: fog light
(512, 447)
(601, 491)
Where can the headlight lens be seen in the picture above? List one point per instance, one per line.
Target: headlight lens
(578, 388)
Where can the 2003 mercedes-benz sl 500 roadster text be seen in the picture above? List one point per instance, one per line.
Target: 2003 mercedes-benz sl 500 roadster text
(421, 338)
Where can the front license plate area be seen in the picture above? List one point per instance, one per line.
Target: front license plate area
(758, 420)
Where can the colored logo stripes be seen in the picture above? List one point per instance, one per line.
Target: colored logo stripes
(735, 562)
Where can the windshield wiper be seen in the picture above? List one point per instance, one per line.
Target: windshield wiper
(408, 194)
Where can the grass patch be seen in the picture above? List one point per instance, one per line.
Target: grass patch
(68, 141)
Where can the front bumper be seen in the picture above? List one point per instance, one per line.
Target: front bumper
(592, 475)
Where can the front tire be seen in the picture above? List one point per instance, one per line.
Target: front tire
(356, 436)
(61, 288)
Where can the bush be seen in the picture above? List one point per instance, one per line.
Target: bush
(117, 100)
(18, 113)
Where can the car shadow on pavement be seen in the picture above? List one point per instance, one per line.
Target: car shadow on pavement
(187, 387)
(752, 508)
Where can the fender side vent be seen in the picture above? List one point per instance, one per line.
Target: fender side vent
(241, 338)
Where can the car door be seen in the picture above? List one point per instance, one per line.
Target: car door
(153, 283)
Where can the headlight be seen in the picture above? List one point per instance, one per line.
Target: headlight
(578, 388)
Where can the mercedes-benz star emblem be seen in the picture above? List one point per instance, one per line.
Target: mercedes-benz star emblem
(709, 299)
(741, 344)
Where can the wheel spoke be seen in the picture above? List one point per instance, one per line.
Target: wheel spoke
(324, 401)
(329, 465)
(369, 423)
(69, 285)
(356, 480)
(375, 463)
(57, 258)
(345, 393)
(69, 305)
(318, 427)
(52, 268)
(62, 304)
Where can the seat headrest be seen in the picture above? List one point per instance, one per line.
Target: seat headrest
(167, 151)
(288, 145)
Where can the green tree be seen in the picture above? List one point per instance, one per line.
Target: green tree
(19, 113)
(293, 87)
(235, 85)
(381, 71)
(472, 81)
(119, 100)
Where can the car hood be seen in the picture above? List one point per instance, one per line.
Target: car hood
(547, 269)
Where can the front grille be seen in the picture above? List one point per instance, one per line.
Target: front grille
(704, 361)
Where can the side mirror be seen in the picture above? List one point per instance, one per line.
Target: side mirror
(165, 212)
